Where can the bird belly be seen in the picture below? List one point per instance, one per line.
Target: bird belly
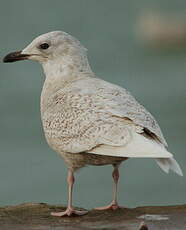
(79, 160)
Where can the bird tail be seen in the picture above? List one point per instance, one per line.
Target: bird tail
(167, 164)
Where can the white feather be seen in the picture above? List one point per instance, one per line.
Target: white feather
(169, 164)
(138, 146)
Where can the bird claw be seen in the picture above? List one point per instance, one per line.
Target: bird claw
(111, 206)
(69, 212)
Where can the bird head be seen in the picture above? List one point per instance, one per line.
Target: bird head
(47, 47)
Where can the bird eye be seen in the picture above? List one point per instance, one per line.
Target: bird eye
(44, 46)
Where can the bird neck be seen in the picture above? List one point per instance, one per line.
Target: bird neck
(66, 68)
(61, 72)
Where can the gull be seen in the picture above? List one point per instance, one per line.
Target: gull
(89, 121)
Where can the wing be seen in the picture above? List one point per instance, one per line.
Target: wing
(117, 101)
(91, 113)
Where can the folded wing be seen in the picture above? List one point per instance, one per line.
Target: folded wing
(107, 120)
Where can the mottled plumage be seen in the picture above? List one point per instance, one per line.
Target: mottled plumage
(89, 121)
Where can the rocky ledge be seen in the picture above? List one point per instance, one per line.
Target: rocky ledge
(34, 216)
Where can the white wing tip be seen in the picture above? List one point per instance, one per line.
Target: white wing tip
(174, 166)
(167, 164)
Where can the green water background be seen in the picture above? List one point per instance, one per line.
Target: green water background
(29, 169)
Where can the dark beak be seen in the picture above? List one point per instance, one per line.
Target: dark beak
(15, 56)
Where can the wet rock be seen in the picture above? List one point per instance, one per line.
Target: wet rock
(143, 226)
(33, 216)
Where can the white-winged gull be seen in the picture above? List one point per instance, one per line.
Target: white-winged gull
(87, 120)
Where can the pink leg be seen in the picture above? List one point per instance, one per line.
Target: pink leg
(70, 210)
(114, 204)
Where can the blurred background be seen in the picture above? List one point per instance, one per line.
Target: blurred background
(140, 45)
